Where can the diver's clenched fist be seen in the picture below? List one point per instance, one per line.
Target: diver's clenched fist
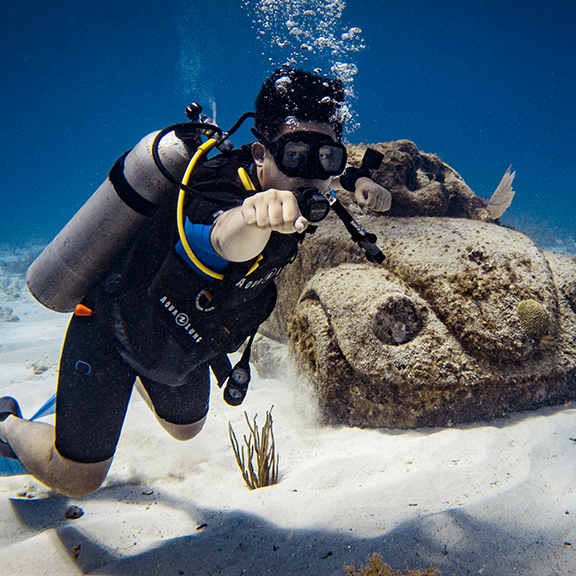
(369, 194)
(273, 209)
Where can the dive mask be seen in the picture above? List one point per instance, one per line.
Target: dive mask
(309, 155)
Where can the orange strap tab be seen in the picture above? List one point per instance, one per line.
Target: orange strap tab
(82, 310)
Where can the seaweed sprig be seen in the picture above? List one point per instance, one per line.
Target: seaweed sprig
(259, 465)
(376, 567)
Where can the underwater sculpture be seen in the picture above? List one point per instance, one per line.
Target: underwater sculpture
(465, 320)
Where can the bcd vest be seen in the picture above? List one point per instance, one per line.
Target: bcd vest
(152, 292)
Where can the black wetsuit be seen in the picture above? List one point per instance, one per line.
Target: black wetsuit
(156, 318)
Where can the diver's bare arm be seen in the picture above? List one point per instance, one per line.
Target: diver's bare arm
(234, 241)
(242, 233)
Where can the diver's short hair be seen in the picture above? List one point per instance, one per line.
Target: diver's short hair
(296, 93)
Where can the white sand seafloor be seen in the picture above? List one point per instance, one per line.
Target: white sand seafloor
(495, 498)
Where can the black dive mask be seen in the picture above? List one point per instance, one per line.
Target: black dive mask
(308, 155)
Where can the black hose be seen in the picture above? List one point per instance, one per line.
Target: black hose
(239, 122)
(193, 127)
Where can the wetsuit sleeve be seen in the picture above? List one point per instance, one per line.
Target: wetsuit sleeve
(198, 236)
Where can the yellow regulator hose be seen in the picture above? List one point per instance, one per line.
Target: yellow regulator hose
(200, 152)
(248, 185)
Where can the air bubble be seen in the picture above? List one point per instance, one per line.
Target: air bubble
(291, 121)
(309, 34)
(282, 84)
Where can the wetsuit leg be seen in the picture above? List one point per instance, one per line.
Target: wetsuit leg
(94, 387)
(184, 404)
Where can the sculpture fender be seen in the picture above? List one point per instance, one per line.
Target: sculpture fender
(83, 251)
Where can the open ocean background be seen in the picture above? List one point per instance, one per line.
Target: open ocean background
(484, 84)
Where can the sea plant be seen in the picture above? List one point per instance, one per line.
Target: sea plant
(375, 567)
(502, 197)
(259, 465)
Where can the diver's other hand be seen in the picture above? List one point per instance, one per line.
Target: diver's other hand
(371, 195)
(275, 210)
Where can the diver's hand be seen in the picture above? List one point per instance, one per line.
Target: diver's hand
(275, 210)
(371, 195)
(241, 233)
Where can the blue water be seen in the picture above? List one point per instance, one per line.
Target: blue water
(484, 84)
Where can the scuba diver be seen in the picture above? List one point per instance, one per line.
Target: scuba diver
(170, 266)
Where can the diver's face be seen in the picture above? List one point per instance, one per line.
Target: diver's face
(270, 175)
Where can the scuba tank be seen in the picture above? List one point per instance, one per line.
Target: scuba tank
(82, 253)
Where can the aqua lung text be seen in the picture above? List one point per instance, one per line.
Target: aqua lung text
(252, 284)
(181, 319)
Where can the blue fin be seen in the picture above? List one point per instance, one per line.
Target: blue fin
(47, 409)
(9, 467)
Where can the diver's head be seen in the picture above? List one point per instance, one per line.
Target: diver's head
(298, 124)
(307, 97)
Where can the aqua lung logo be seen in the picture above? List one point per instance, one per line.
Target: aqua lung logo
(247, 284)
(181, 319)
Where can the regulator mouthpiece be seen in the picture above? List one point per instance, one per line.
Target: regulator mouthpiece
(313, 205)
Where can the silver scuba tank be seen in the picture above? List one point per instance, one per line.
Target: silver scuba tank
(82, 253)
